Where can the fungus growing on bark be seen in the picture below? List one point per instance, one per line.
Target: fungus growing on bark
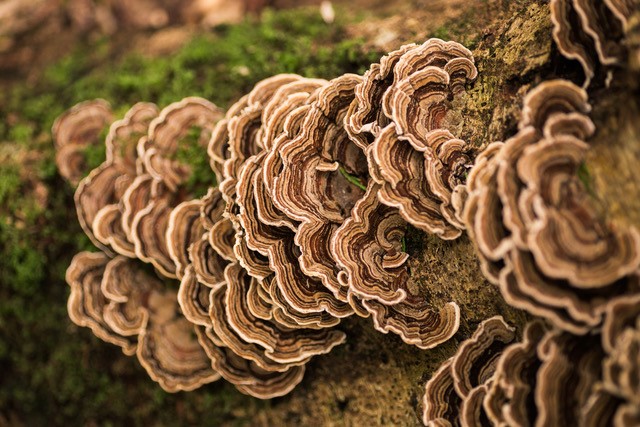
(401, 109)
(74, 131)
(420, 183)
(98, 194)
(592, 31)
(248, 377)
(617, 397)
(312, 188)
(535, 224)
(126, 306)
(121, 144)
(149, 201)
(184, 229)
(302, 231)
(460, 381)
(279, 343)
(86, 303)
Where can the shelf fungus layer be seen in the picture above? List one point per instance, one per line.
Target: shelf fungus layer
(536, 224)
(593, 32)
(75, 131)
(126, 306)
(455, 392)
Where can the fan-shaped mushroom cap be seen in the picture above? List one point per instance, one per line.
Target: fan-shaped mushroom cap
(281, 343)
(616, 399)
(570, 368)
(302, 293)
(168, 349)
(415, 320)
(451, 57)
(535, 224)
(230, 337)
(127, 287)
(472, 367)
(212, 208)
(136, 197)
(420, 182)
(95, 192)
(208, 266)
(123, 305)
(87, 303)
(121, 144)
(604, 257)
(149, 232)
(98, 195)
(193, 298)
(246, 375)
(366, 118)
(73, 131)
(368, 246)
(590, 31)
(287, 98)
(440, 398)
(273, 166)
(167, 130)
(312, 187)
(510, 399)
(244, 142)
(184, 229)
(243, 131)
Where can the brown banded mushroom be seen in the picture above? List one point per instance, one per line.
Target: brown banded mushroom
(168, 350)
(168, 183)
(365, 118)
(510, 397)
(420, 183)
(184, 229)
(124, 305)
(281, 343)
(121, 143)
(87, 303)
(459, 385)
(246, 375)
(74, 131)
(166, 132)
(616, 400)
(535, 224)
(245, 141)
(301, 292)
(126, 286)
(105, 185)
(592, 31)
(414, 154)
(313, 187)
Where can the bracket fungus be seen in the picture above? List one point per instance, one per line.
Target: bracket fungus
(454, 393)
(302, 219)
(592, 32)
(124, 305)
(535, 224)
(75, 130)
(411, 154)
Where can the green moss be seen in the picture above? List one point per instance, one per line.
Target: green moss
(191, 152)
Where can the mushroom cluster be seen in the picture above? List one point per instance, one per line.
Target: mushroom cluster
(536, 223)
(551, 377)
(317, 180)
(594, 32)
